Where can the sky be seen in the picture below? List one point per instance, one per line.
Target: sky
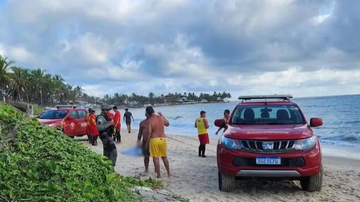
(245, 47)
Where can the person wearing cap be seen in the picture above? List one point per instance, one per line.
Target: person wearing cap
(105, 126)
(117, 135)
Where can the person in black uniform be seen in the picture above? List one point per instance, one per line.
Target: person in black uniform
(105, 126)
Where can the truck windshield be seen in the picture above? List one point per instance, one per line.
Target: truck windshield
(54, 114)
(267, 115)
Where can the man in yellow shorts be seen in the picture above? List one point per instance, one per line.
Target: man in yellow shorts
(156, 139)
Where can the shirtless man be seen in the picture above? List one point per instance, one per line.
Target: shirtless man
(145, 150)
(156, 139)
(226, 118)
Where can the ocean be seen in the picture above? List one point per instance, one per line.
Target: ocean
(341, 116)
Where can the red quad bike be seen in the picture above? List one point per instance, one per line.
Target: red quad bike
(269, 140)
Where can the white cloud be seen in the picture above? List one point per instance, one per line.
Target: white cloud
(182, 45)
(2, 50)
(20, 54)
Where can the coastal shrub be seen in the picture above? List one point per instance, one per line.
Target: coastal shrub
(39, 163)
(37, 110)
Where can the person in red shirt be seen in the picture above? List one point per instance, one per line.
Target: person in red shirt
(93, 129)
(117, 124)
(111, 116)
(88, 132)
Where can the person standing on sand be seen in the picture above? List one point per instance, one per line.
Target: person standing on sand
(88, 130)
(93, 129)
(226, 118)
(156, 139)
(105, 126)
(127, 118)
(145, 150)
(202, 125)
(117, 126)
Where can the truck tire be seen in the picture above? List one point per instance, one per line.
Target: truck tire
(226, 183)
(313, 183)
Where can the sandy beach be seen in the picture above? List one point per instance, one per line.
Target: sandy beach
(196, 178)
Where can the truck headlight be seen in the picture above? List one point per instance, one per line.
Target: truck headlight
(230, 144)
(306, 144)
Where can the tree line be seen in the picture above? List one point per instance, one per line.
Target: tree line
(39, 87)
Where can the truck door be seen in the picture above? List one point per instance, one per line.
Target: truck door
(81, 122)
(71, 122)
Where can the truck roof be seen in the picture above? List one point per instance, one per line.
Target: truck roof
(265, 103)
(266, 99)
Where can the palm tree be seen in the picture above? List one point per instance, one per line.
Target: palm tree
(78, 92)
(151, 97)
(5, 66)
(19, 78)
(39, 79)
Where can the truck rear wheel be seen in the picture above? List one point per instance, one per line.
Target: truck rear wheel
(313, 183)
(226, 183)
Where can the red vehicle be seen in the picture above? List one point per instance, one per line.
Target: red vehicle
(69, 120)
(269, 140)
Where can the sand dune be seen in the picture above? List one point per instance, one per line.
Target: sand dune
(196, 178)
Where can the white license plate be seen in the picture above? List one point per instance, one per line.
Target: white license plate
(268, 160)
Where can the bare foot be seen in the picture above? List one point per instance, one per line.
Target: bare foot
(159, 176)
(169, 175)
(144, 174)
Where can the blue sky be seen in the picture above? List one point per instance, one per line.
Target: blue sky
(306, 48)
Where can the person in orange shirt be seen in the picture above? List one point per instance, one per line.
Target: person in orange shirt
(117, 124)
(93, 129)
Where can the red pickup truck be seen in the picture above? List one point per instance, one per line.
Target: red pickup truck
(69, 120)
(268, 137)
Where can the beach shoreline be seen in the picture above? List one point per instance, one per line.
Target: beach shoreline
(196, 178)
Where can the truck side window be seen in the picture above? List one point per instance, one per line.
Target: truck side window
(74, 114)
(81, 114)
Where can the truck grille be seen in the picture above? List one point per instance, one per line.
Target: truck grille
(277, 146)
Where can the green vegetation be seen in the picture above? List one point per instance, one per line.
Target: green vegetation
(39, 163)
(34, 86)
(119, 99)
(38, 87)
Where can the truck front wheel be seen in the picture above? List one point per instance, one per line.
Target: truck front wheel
(313, 183)
(226, 183)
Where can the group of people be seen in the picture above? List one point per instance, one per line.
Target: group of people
(107, 127)
(152, 133)
(151, 136)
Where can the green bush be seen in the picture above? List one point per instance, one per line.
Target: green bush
(37, 110)
(39, 163)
